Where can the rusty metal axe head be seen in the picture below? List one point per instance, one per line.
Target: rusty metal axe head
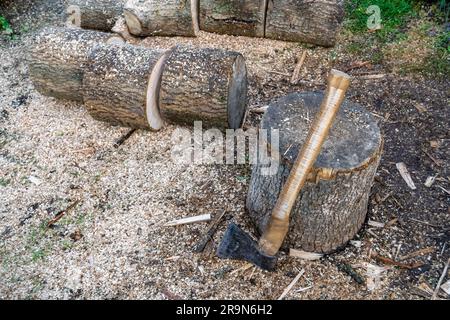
(237, 244)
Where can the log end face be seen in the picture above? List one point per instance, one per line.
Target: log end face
(354, 138)
(237, 94)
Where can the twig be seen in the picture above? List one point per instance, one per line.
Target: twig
(436, 162)
(61, 213)
(291, 285)
(391, 262)
(124, 138)
(298, 68)
(417, 253)
(441, 279)
(372, 76)
(189, 220)
(243, 268)
(425, 223)
(357, 65)
(209, 233)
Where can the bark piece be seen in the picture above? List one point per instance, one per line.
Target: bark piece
(233, 17)
(58, 59)
(332, 206)
(98, 14)
(118, 87)
(159, 17)
(311, 21)
(208, 85)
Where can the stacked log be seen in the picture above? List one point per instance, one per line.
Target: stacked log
(95, 14)
(118, 87)
(160, 17)
(58, 59)
(208, 85)
(332, 207)
(315, 22)
(233, 17)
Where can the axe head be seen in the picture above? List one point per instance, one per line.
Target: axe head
(236, 244)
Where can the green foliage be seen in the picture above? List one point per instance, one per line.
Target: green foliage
(394, 15)
(5, 26)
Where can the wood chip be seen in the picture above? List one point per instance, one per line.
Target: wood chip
(401, 167)
(291, 285)
(260, 110)
(429, 182)
(298, 68)
(310, 256)
(376, 224)
(189, 220)
(446, 287)
(417, 253)
(420, 107)
(441, 279)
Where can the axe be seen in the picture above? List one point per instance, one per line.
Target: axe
(236, 244)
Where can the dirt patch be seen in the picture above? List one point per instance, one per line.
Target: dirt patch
(112, 243)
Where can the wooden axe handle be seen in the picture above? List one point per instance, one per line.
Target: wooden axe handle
(278, 226)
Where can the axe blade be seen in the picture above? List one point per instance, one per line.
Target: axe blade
(237, 244)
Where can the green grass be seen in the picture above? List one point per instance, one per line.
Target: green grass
(394, 15)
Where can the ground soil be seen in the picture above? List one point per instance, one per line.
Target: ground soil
(111, 242)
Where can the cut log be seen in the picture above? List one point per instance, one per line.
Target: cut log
(208, 85)
(233, 17)
(58, 59)
(332, 206)
(159, 17)
(118, 86)
(310, 21)
(96, 14)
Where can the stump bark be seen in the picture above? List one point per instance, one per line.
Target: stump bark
(118, 87)
(98, 14)
(315, 22)
(159, 17)
(235, 17)
(332, 207)
(58, 58)
(208, 85)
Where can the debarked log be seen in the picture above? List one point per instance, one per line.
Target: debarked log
(121, 85)
(332, 206)
(58, 58)
(208, 85)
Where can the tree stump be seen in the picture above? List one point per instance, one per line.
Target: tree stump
(121, 85)
(97, 14)
(208, 85)
(159, 17)
(332, 207)
(58, 59)
(235, 17)
(315, 22)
